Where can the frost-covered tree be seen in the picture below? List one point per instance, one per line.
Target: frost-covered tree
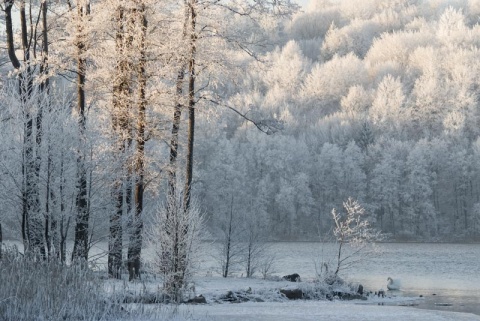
(32, 94)
(353, 234)
(419, 216)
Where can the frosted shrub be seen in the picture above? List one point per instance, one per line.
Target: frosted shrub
(50, 291)
(354, 235)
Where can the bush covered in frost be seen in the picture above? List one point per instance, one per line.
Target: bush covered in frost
(40, 290)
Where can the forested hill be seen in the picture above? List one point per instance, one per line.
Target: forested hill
(379, 101)
(262, 116)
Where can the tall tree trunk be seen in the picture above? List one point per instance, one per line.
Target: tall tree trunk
(80, 247)
(172, 174)
(191, 105)
(120, 122)
(45, 96)
(135, 245)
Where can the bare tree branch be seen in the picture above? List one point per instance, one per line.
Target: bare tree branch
(267, 126)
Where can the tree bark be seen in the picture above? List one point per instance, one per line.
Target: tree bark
(120, 121)
(1, 242)
(135, 245)
(45, 91)
(228, 241)
(172, 179)
(9, 31)
(80, 247)
(191, 105)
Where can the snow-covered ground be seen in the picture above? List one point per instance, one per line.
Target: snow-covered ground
(276, 308)
(373, 309)
(315, 310)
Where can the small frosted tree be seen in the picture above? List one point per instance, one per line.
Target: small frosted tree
(354, 235)
(230, 249)
(175, 236)
(256, 256)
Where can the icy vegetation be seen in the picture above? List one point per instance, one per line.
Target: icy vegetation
(49, 291)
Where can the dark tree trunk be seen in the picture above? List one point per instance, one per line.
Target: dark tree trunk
(135, 245)
(172, 179)
(121, 129)
(191, 105)
(228, 242)
(9, 32)
(80, 247)
(115, 240)
(249, 260)
(44, 89)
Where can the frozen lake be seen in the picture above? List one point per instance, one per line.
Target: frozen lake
(446, 275)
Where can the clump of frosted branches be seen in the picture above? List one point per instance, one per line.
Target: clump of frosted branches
(175, 237)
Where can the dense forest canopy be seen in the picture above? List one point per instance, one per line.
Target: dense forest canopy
(378, 101)
(295, 111)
